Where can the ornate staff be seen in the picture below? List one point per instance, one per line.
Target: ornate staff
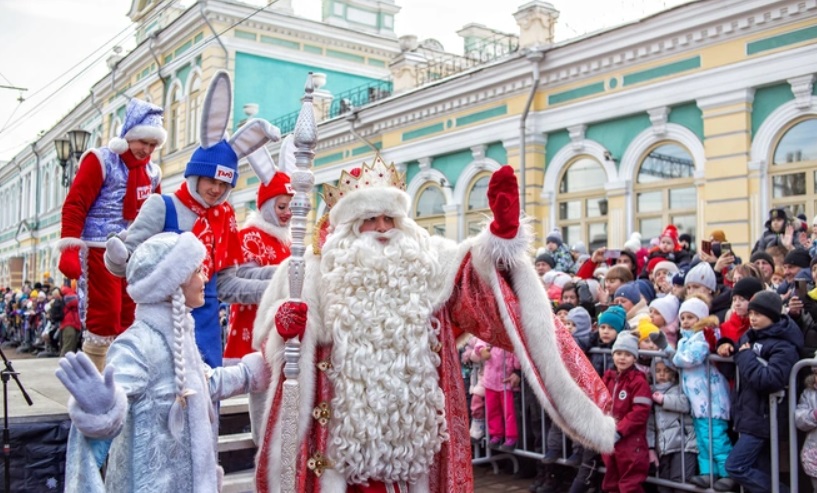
(306, 137)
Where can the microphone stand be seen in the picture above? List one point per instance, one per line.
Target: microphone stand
(7, 373)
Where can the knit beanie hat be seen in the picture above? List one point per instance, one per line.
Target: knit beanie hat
(554, 236)
(560, 279)
(645, 328)
(279, 185)
(678, 278)
(672, 232)
(218, 161)
(546, 258)
(564, 306)
(580, 318)
(634, 243)
(579, 247)
(767, 303)
(161, 264)
(747, 287)
(685, 237)
(798, 257)
(626, 342)
(668, 307)
(615, 317)
(666, 265)
(143, 120)
(778, 213)
(762, 256)
(696, 307)
(653, 263)
(630, 292)
(702, 274)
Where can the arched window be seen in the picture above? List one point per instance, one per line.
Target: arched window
(193, 111)
(665, 191)
(428, 210)
(582, 203)
(793, 173)
(174, 135)
(477, 204)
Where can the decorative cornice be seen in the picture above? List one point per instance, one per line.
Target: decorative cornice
(658, 118)
(802, 87)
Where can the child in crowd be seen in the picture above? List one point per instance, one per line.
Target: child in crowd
(806, 419)
(664, 314)
(738, 322)
(646, 333)
(156, 398)
(669, 248)
(499, 365)
(628, 465)
(777, 277)
(628, 296)
(700, 381)
(475, 388)
(662, 276)
(578, 323)
(561, 311)
(670, 433)
(611, 322)
(560, 252)
(764, 359)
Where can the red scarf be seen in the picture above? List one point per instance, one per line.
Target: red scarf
(138, 188)
(214, 222)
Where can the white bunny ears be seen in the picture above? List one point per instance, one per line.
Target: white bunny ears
(218, 157)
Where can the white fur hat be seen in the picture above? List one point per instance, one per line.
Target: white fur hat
(370, 202)
(161, 264)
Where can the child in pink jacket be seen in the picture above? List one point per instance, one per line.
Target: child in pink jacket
(499, 365)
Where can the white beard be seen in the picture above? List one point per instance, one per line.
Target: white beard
(388, 411)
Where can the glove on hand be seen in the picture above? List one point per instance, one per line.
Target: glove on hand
(659, 339)
(115, 251)
(503, 197)
(69, 263)
(260, 373)
(658, 398)
(94, 393)
(290, 320)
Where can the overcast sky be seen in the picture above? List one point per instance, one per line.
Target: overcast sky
(57, 48)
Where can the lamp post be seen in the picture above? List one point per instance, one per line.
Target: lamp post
(70, 150)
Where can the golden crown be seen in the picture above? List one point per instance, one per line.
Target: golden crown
(378, 175)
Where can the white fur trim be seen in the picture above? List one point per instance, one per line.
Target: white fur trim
(421, 486)
(333, 482)
(118, 145)
(106, 425)
(280, 233)
(144, 132)
(170, 272)
(506, 253)
(69, 242)
(370, 202)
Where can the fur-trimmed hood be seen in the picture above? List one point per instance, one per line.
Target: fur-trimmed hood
(708, 322)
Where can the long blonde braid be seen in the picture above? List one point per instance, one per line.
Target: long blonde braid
(176, 417)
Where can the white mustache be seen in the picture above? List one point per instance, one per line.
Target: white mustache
(388, 235)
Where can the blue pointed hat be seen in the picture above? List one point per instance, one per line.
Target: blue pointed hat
(143, 120)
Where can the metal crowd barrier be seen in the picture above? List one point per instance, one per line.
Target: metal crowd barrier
(484, 453)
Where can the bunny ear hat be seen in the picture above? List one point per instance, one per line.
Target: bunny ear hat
(218, 155)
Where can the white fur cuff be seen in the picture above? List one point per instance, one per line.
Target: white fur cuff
(105, 425)
(69, 242)
(506, 252)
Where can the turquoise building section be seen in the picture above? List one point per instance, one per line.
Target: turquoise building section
(277, 85)
(497, 152)
(556, 140)
(688, 116)
(451, 165)
(616, 135)
(768, 99)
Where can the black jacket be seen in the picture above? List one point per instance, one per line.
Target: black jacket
(764, 369)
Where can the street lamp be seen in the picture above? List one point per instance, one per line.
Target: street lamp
(70, 150)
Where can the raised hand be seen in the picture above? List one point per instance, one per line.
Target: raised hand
(94, 393)
(115, 251)
(503, 197)
(69, 263)
(290, 319)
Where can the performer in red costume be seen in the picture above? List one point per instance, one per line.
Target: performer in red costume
(382, 405)
(265, 240)
(111, 185)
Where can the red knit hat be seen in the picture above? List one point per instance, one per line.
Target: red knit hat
(653, 262)
(672, 232)
(279, 185)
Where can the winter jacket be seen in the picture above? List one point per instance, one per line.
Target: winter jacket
(690, 357)
(631, 403)
(806, 422)
(670, 428)
(57, 311)
(768, 239)
(763, 370)
(638, 312)
(733, 329)
(71, 313)
(564, 260)
(601, 361)
(498, 367)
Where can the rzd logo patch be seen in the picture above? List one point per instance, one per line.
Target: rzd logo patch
(224, 173)
(622, 395)
(142, 192)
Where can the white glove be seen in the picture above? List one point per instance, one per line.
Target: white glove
(94, 393)
(116, 252)
(259, 371)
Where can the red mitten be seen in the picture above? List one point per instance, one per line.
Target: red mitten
(290, 320)
(503, 197)
(69, 263)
